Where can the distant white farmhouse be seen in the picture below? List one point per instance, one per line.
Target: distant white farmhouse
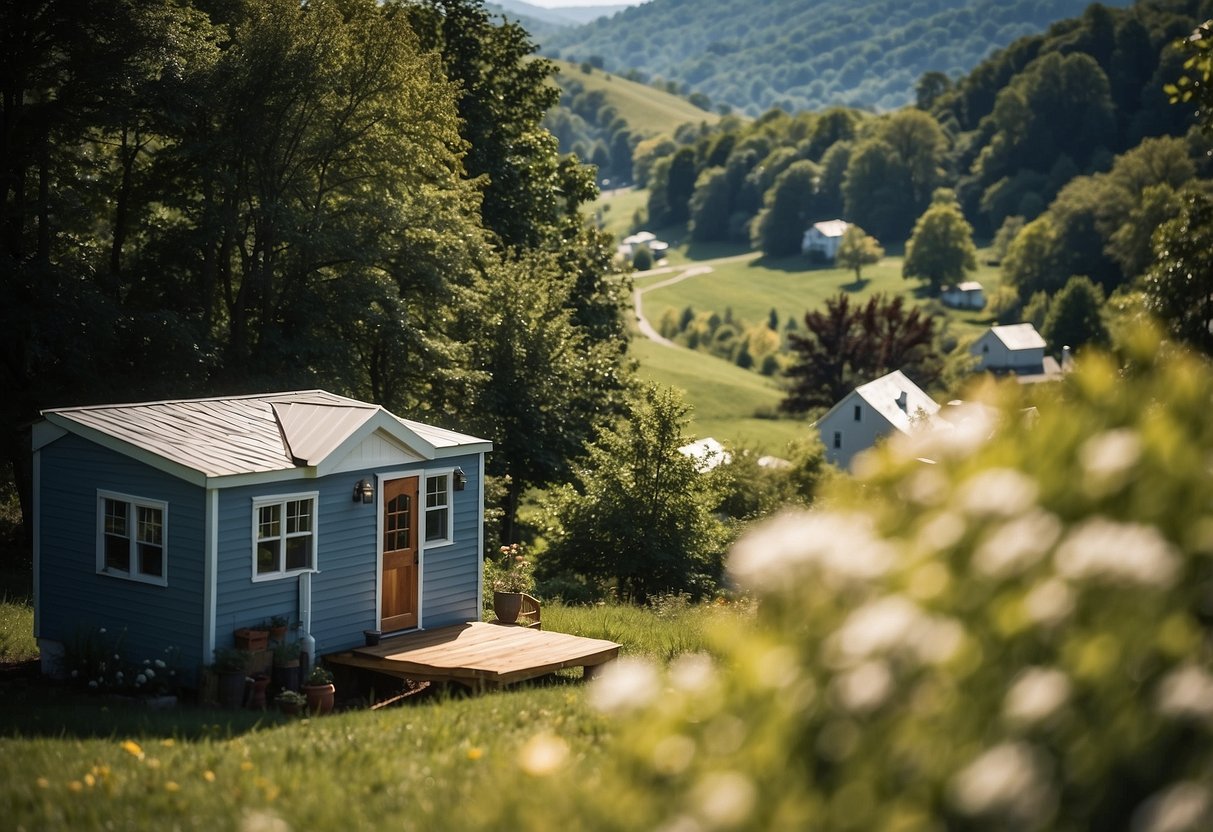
(707, 453)
(967, 295)
(627, 248)
(1016, 349)
(823, 239)
(872, 411)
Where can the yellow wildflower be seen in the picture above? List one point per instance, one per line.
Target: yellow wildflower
(168, 742)
(75, 786)
(133, 748)
(43, 783)
(475, 753)
(208, 776)
(171, 786)
(246, 766)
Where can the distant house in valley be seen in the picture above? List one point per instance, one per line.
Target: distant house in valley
(871, 412)
(823, 238)
(967, 295)
(1016, 349)
(707, 453)
(630, 244)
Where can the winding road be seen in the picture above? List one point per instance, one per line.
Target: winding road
(683, 272)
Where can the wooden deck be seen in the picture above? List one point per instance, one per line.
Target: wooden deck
(479, 654)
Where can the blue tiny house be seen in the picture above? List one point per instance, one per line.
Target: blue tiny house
(178, 522)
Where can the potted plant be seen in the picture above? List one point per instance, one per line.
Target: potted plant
(286, 665)
(261, 683)
(511, 581)
(319, 690)
(277, 628)
(230, 667)
(251, 639)
(290, 702)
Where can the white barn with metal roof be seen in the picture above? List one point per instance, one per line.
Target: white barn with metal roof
(871, 412)
(1017, 348)
(182, 521)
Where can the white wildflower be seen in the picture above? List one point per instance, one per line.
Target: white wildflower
(778, 667)
(262, 820)
(101, 630)
(160, 664)
(140, 679)
(147, 662)
(928, 487)
(1010, 781)
(625, 684)
(1129, 553)
(1183, 807)
(942, 531)
(682, 823)
(724, 799)
(92, 683)
(75, 673)
(844, 547)
(1037, 694)
(1108, 458)
(1049, 603)
(864, 688)
(1017, 544)
(1186, 692)
(895, 623)
(543, 754)
(950, 440)
(692, 672)
(1001, 492)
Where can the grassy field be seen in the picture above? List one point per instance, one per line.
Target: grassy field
(649, 111)
(434, 762)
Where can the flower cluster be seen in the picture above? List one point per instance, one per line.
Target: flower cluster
(99, 664)
(512, 572)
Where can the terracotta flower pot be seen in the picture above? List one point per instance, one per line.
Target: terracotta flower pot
(319, 698)
(506, 606)
(247, 638)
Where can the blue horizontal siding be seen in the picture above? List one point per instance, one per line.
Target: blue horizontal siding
(76, 600)
(343, 591)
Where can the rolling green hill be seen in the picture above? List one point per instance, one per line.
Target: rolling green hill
(648, 110)
(806, 54)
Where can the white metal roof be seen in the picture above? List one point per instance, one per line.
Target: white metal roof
(969, 286)
(1019, 336)
(885, 395)
(832, 228)
(226, 436)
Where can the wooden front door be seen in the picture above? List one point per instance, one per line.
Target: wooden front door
(400, 556)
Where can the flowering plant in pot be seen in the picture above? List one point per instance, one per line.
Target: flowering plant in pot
(511, 578)
(290, 702)
(319, 690)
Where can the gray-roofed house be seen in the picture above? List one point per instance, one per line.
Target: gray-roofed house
(1016, 349)
(822, 239)
(872, 411)
(181, 521)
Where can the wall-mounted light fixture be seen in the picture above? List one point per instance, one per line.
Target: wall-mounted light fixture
(364, 492)
(461, 479)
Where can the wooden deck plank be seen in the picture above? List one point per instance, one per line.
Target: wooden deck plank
(479, 652)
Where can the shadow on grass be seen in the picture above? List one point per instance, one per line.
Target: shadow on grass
(36, 707)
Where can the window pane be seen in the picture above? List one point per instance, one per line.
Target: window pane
(299, 552)
(298, 516)
(117, 553)
(151, 560)
(115, 517)
(267, 557)
(435, 492)
(435, 524)
(151, 525)
(268, 521)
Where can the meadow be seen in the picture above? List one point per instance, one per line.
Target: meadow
(434, 761)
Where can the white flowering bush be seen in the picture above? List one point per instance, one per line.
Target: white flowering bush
(1003, 626)
(97, 661)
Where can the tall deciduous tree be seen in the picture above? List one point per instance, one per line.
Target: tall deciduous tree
(941, 249)
(844, 346)
(1179, 286)
(857, 249)
(1074, 318)
(642, 515)
(788, 210)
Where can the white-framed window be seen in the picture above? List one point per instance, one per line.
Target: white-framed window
(438, 515)
(132, 538)
(284, 535)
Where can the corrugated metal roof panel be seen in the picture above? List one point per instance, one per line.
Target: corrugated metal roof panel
(884, 394)
(223, 436)
(1019, 336)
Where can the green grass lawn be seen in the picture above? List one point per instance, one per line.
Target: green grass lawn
(434, 762)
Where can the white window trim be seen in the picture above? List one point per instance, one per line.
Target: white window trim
(449, 538)
(132, 520)
(283, 499)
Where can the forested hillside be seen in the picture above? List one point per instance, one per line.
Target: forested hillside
(805, 54)
(204, 198)
(1064, 150)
